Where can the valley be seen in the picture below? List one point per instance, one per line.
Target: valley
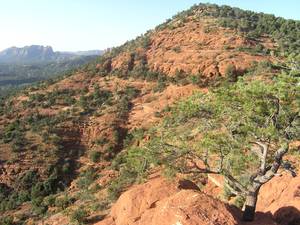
(23, 66)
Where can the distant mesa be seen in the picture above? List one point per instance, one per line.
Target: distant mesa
(39, 53)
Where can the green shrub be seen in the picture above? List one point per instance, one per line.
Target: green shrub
(38, 207)
(133, 167)
(231, 73)
(161, 85)
(4, 191)
(101, 141)
(64, 202)
(79, 215)
(194, 79)
(67, 168)
(177, 49)
(86, 178)
(131, 92)
(7, 220)
(146, 42)
(27, 180)
(95, 156)
(23, 196)
(135, 135)
(50, 200)
(123, 107)
(13, 132)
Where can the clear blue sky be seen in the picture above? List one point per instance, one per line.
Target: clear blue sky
(71, 25)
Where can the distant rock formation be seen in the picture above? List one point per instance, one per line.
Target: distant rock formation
(38, 53)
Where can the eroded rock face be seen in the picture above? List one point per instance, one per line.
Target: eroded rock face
(193, 50)
(281, 197)
(162, 202)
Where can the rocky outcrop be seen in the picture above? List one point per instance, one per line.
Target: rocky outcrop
(163, 202)
(194, 50)
(281, 197)
(27, 53)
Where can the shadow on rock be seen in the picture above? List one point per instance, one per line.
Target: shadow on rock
(287, 216)
(261, 218)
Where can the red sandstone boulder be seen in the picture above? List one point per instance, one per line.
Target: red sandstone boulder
(162, 202)
(281, 197)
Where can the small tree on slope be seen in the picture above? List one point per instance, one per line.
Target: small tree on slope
(241, 131)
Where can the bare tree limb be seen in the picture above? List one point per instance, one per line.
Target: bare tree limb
(262, 179)
(262, 154)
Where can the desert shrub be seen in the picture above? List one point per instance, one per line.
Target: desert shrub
(38, 207)
(261, 67)
(152, 76)
(37, 98)
(66, 168)
(179, 76)
(64, 202)
(49, 201)
(83, 103)
(37, 191)
(90, 103)
(86, 178)
(7, 220)
(116, 187)
(161, 84)
(23, 196)
(177, 49)
(194, 79)
(135, 135)
(9, 203)
(79, 215)
(133, 167)
(130, 63)
(131, 92)
(146, 42)
(157, 114)
(27, 180)
(123, 107)
(4, 191)
(110, 151)
(102, 141)
(231, 73)
(30, 188)
(13, 131)
(18, 144)
(95, 156)
(100, 96)
(68, 100)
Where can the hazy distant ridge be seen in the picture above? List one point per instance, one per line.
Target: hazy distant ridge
(38, 53)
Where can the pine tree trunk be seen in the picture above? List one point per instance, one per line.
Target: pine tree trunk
(261, 178)
(250, 205)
